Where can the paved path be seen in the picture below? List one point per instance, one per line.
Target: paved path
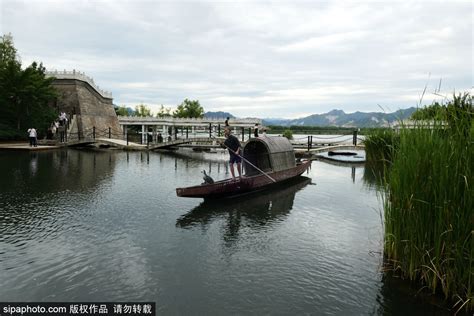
(24, 146)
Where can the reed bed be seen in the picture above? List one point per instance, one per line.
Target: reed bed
(429, 205)
(380, 145)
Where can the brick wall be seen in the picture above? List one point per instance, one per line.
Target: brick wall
(91, 109)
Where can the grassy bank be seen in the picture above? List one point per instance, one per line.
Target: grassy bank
(429, 203)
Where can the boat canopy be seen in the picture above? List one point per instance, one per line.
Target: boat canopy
(270, 154)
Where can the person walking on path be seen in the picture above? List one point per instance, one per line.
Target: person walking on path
(226, 123)
(32, 136)
(234, 147)
(255, 130)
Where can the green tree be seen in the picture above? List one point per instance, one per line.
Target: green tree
(457, 113)
(188, 109)
(142, 110)
(7, 50)
(432, 112)
(163, 112)
(24, 94)
(288, 133)
(122, 110)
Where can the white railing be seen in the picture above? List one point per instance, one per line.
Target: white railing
(187, 121)
(78, 76)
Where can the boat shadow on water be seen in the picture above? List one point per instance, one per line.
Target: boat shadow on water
(256, 208)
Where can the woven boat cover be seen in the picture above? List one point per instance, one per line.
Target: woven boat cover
(268, 154)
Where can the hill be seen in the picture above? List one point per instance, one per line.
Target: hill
(341, 119)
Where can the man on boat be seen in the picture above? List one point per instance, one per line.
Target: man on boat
(234, 147)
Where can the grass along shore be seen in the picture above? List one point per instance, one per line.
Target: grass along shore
(429, 202)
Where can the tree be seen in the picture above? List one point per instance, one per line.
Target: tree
(142, 110)
(122, 110)
(163, 112)
(24, 94)
(288, 133)
(458, 113)
(189, 108)
(432, 112)
(7, 50)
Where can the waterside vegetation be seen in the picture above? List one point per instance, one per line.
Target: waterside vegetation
(429, 199)
(25, 94)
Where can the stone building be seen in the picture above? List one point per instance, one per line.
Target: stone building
(86, 105)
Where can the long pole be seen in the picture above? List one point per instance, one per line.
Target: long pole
(263, 172)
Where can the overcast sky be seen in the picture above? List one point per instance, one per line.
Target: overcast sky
(260, 59)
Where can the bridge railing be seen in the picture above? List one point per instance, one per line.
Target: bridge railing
(309, 141)
(178, 120)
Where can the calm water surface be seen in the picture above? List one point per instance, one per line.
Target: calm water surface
(107, 226)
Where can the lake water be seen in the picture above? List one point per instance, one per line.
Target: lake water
(108, 226)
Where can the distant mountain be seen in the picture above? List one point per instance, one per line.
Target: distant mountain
(341, 119)
(218, 115)
(275, 121)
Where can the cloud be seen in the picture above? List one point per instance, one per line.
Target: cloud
(253, 58)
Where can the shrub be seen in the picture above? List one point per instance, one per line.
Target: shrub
(288, 134)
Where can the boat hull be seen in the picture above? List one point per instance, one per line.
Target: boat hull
(229, 187)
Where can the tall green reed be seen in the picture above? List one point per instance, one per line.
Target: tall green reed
(429, 204)
(380, 146)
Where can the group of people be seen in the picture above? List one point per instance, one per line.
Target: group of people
(56, 127)
(52, 130)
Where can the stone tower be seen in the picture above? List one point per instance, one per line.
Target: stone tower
(87, 106)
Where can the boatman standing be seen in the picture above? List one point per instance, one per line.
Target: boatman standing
(234, 147)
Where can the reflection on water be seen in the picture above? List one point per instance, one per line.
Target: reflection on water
(107, 225)
(53, 170)
(374, 174)
(399, 297)
(245, 212)
(261, 208)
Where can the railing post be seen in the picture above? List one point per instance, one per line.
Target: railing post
(218, 130)
(127, 137)
(110, 134)
(311, 142)
(93, 132)
(354, 138)
(243, 134)
(308, 144)
(210, 130)
(186, 132)
(250, 133)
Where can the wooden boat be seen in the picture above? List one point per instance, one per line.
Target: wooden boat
(263, 207)
(272, 155)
